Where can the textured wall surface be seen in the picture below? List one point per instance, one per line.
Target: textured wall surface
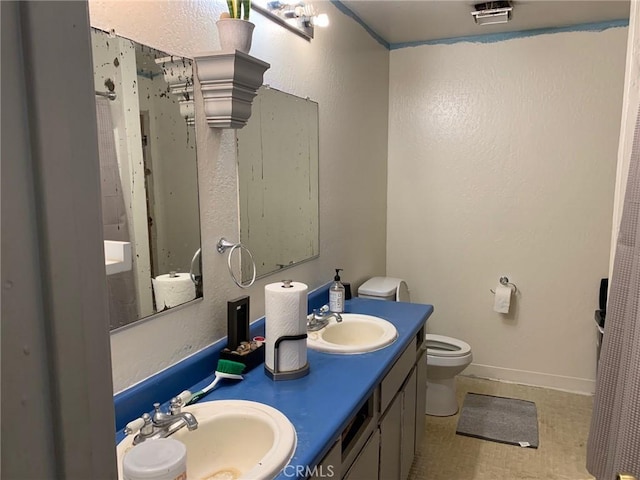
(502, 161)
(346, 72)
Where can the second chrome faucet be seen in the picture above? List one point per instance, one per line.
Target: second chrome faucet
(320, 318)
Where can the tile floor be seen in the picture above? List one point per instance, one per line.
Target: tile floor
(563, 426)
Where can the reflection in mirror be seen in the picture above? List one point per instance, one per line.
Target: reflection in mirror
(298, 16)
(148, 172)
(278, 182)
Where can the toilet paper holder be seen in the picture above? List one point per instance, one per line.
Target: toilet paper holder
(505, 281)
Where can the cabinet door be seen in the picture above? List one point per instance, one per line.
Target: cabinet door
(365, 466)
(421, 398)
(408, 444)
(390, 439)
(331, 464)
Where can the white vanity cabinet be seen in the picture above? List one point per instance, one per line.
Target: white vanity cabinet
(380, 441)
(401, 430)
(402, 421)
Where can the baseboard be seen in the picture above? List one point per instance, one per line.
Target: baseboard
(536, 379)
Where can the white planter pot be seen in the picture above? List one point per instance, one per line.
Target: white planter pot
(235, 34)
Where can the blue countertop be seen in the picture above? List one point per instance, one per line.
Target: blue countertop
(320, 404)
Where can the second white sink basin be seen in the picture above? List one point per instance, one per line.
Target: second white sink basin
(356, 333)
(235, 439)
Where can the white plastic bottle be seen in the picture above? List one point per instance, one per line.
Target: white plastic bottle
(336, 294)
(156, 459)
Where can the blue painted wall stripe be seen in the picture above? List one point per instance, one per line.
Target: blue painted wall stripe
(500, 37)
(350, 13)
(484, 38)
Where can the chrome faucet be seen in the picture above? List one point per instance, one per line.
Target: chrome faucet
(160, 424)
(320, 319)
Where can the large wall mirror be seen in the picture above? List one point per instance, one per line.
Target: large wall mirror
(278, 182)
(147, 150)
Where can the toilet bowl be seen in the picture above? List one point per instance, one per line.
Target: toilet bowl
(446, 358)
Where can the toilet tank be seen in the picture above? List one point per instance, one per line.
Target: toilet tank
(385, 288)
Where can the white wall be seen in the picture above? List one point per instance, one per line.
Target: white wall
(346, 72)
(502, 160)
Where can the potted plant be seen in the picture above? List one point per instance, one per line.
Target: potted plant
(234, 28)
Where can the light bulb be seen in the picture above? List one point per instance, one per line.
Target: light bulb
(321, 20)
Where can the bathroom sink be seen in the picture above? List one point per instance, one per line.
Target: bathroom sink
(356, 333)
(235, 439)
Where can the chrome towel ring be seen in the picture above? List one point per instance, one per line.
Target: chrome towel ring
(194, 277)
(222, 247)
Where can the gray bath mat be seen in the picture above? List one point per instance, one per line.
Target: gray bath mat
(499, 419)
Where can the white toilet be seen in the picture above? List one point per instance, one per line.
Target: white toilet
(446, 356)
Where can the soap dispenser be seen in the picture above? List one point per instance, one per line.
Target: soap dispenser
(336, 294)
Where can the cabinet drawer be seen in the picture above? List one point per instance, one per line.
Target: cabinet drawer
(396, 376)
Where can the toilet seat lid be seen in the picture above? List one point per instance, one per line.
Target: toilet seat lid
(442, 346)
(386, 287)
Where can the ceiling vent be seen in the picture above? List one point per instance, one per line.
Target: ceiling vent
(492, 12)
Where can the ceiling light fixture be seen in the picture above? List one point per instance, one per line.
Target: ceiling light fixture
(492, 12)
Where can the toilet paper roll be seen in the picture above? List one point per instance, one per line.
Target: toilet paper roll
(285, 312)
(172, 291)
(502, 298)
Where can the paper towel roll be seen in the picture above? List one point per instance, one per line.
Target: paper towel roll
(502, 298)
(172, 291)
(285, 312)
